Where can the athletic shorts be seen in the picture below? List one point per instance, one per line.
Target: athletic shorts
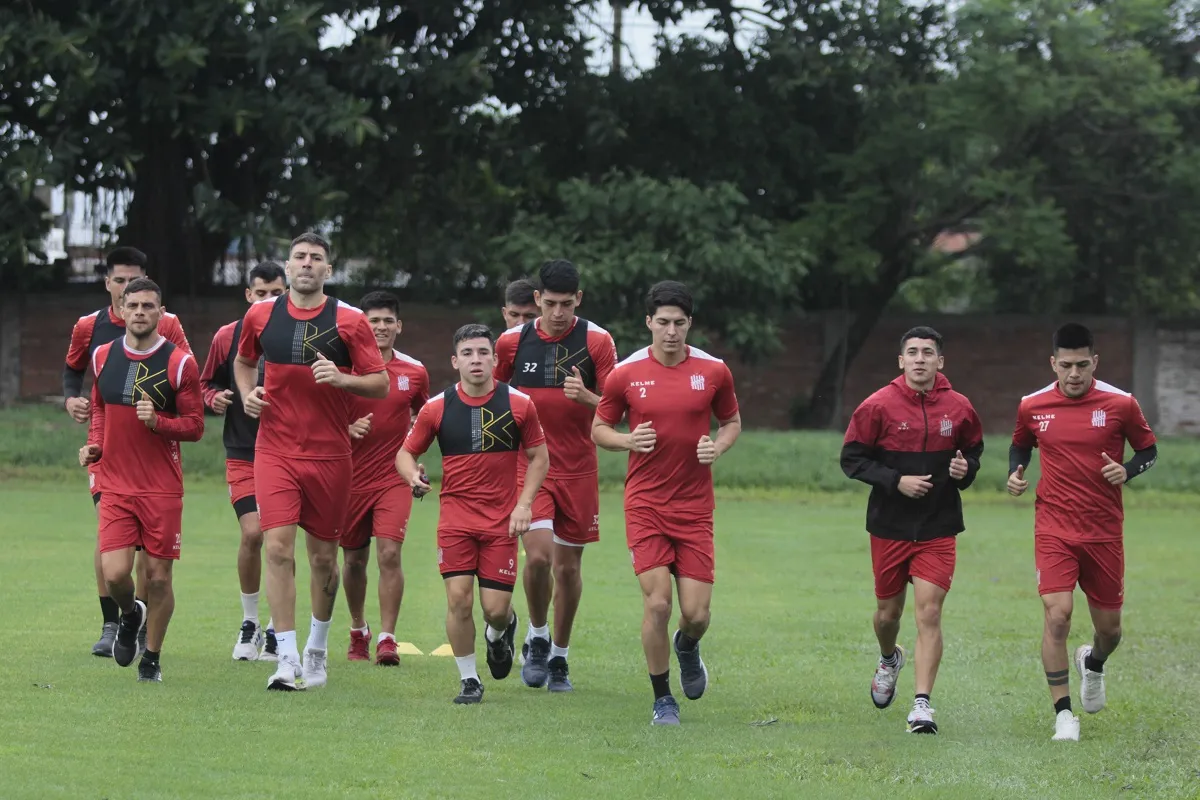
(570, 508)
(152, 523)
(382, 514)
(311, 494)
(682, 542)
(896, 563)
(239, 475)
(1098, 568)
(92, 487)
(490, 557)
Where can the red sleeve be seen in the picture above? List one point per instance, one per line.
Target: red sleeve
(424, 429)
(864, 425)
(1137, 429)
(612, 405)
(525, 415)
(253, 323)
(603, 351)
(96, 423)
(725, 404)
(188, 425)
(172, 330)
(506, 353)
(970, 433)
(1023, 432)
(360, 341)
(213, 378)
(81, 336)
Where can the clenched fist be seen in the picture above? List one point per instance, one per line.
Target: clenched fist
(146, 412)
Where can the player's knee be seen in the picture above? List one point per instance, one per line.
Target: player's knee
(1058, 622)
(696, 617)
(389, 560)
(658, 608)
(252, 538)
(929, 615)
(888, 613)
(538, 560)
(322, 561)
(158, 582)
(279, 554)
(566, 572)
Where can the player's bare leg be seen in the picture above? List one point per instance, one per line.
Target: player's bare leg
(391, 594)
(1090, 658)
(249, 645)
(460, 631)
(354, 579)
(280, 546)
(323, 589)
(161, 593)
(928, 598)
(109, 610)
(117, 566)
(537, 576)
(501, 629)
(888, 612)
(1058, 607)
(695, 598)
(656, 643)
(568, 589)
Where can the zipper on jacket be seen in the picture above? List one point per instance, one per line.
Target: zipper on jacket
(924, 446)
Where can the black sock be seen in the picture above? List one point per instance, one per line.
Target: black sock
(1062, 704)
(1095, 660)
(924, 697)
(687, 643)
(150, 656)
(109, 609)
(891, 660)
(661, 684)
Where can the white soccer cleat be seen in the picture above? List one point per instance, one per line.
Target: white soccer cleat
(314, 668)
(1091, 684)
(249, 642)
(288, 677)
(1066, 727)
(883, 685)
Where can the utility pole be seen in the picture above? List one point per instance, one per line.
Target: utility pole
(618, 7)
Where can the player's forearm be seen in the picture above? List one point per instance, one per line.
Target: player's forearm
(609, 438)
(406, 465)
(858, 464)
(1141, 461)
(96, 424)
(245, 375)
(727, 434)
(1018, 457)
(211, 390)
(589, 399)
(72, 382)
(535, 474)
(187, 427)
(374, 385)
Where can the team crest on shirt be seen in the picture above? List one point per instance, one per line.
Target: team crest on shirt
(402, 383)
(1099, 418)
(903, 426)
(698, 382)
(947, 428)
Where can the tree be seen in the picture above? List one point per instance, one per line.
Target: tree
(23, 164)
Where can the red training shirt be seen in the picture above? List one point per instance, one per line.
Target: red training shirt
(375, 453)
(1074, 501)
(680, 401)
(84, 340)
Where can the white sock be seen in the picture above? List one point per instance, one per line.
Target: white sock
(492, 634)
(318, 635)
(364, 630)
(250, 607)
(537, 633)
(383, 636)
(287, 644)
(466, 667)
(558, 652)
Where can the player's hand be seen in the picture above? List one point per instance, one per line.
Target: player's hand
(915, 485)
(958, 466)
(1017, 483)
(706, 450)
(80, 408)
(518, 521)
(1113, 472)
(573, 388)
(146, 412)
(642, 438)
(89, 454)
(222, 401)
(361, 427)
(255, 402)
(420, 484)
(325, 371)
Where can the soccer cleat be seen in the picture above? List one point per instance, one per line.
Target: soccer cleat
(920, 719)
(386, 655)
(127, 643)
(314, 672)
(1091, 684)
(270, 651)
(500, 652)
(558, 680)
(666, 711)
(1066, 727)
(693, 675)
(360, 646)
(288, 677)
(883, 685)
(470, 693)
(534, 670)
(249, 642)
(149, 672)
(104, 647)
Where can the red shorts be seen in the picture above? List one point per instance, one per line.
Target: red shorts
(490, 557)
(570, 507)
(382, 513)
(311, 494)
(682, 542)
(240, 477)
(1098, 567)
(896, 563)
(153, 523)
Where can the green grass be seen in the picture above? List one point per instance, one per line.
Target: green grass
(791, 644)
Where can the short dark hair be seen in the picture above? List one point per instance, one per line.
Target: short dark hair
(380, 300)
(473, 330)
(142, 285)
(922, 332)
(1074, 336)
(125, 257)
(519, 293)
(267, 272)
(559, 276)
(668, 293)
(310, 237)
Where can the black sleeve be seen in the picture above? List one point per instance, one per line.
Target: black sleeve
(1141, 461)
(72, 382)
(1018, 457)
(858, 463)
(973, 456)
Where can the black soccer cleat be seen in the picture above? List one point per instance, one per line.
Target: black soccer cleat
(534, 671)
(149, 671)
(500, 652)
(471, 693)
(127, 644)
(693, 675)
(104, 647)
(559, 682)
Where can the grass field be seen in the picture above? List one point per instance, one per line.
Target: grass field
(790, 653)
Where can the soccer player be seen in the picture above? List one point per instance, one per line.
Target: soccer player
(122, 265)
(265, 281)
(318, 351)
(1080, 424)
(380, 502)
(480, 425)
(671, 391)
(562, 361)
(519, 304)
(917, 443)
(145, 400)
